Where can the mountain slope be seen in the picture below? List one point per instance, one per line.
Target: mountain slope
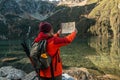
(17, 15)
(98, 17)
(107, 15)
(77, 14)
(26, 7)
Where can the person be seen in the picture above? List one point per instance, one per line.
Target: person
(54, 42)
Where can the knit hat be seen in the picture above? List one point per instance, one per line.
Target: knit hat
(45, 27)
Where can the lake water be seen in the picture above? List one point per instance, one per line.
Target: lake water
(100, 54)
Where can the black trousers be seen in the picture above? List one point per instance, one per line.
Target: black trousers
(56, 78)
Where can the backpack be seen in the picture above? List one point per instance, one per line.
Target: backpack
(39, 56)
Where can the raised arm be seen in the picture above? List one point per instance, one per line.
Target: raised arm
(59, 42)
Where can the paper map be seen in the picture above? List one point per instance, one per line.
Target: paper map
(68, 27)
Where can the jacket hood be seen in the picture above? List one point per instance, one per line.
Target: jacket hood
(41, 36)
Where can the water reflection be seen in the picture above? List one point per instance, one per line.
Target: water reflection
(107, 56)
(10, 48)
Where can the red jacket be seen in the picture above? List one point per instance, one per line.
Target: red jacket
(53, 45)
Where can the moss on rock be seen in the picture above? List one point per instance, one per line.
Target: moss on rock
(107, 15)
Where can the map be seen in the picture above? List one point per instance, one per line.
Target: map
(68, 27)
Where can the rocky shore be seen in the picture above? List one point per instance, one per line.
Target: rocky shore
(10, 73)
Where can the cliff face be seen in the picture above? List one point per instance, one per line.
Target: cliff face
(107, 16)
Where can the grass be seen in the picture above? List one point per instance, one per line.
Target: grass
(74, 55)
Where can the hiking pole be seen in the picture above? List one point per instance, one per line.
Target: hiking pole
(27, 51)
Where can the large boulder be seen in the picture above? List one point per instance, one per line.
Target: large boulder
(11, 73)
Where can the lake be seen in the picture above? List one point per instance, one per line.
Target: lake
(97, 54)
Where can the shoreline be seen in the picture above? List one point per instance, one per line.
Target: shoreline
(9, 72)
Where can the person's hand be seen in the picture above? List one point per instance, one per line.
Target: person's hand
(59, 31)
(76, 30)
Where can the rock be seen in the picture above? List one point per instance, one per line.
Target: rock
(1, 78)
(83, 74)
(80, 74)
(4, 71)
(109, 76)
(11, 73)
(67, 77)
(30, 76)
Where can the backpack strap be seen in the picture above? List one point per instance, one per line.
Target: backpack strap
(52, 71)
(57, 59)
(51, 66)
(56, 53)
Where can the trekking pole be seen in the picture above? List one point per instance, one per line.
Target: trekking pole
(27, 51)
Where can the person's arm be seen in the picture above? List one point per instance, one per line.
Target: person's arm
(58, 33)
(58, 42)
